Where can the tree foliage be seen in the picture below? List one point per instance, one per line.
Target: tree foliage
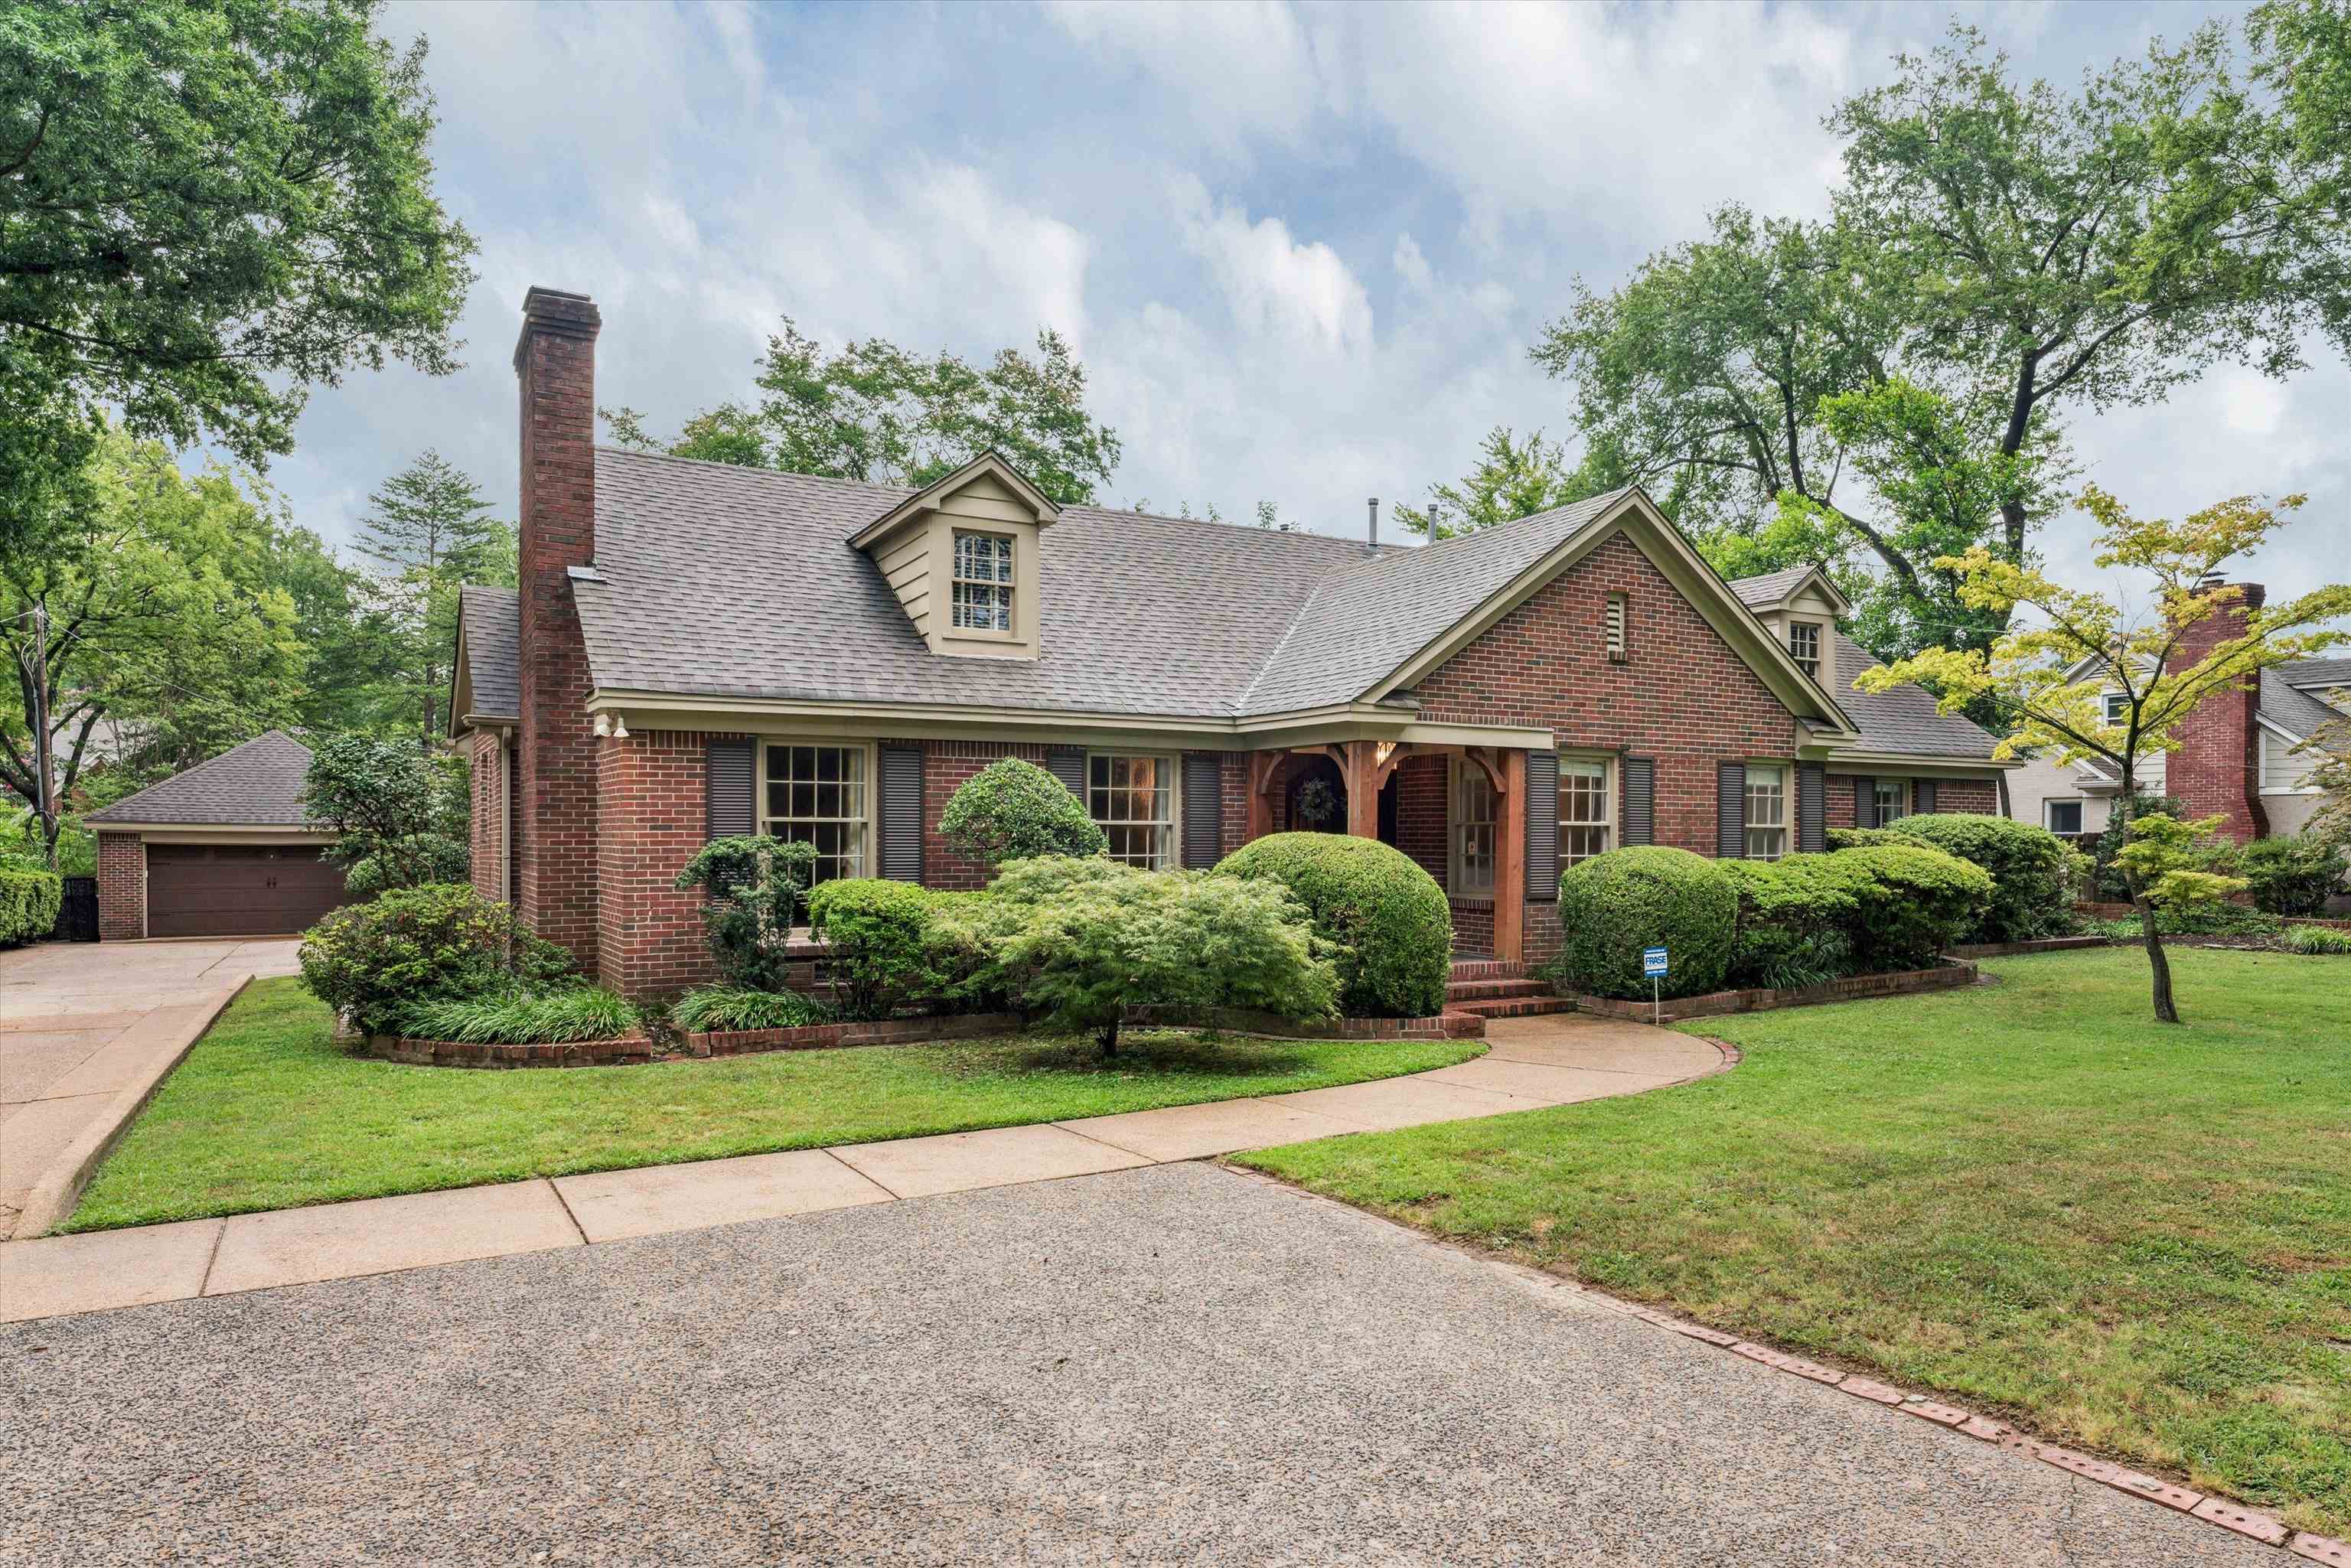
(1013, 810)
(753, 890)
(429, 531)
(874, 411)
(1512, 479)
(403, 816)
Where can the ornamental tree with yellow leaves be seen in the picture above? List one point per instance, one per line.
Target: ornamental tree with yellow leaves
(2051, 678)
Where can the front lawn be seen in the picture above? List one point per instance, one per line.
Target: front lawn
(2126, 1237)
(268, 1113)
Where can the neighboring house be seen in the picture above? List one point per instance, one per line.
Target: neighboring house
(698, 650)
(2236, 756)
(222, 850)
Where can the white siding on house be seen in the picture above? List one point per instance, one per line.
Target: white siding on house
(2282, 771)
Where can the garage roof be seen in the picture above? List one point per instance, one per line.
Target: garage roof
(257, 785)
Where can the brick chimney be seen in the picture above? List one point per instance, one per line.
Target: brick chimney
(2216, 768)
(555, 360)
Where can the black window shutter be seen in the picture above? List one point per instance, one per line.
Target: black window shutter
(901, 814)
(727, 776)
(1731, 811)
(1204, 808)
(1864, 803)
(1640, 800)
(1542, 827)
(1068, 763)
(1926, 788)
(1812, 807)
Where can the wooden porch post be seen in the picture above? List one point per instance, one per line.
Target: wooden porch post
(1262, 765)
(1363, 789)
(1510, 860)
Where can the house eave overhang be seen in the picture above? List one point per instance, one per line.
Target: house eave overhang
(1696, 582)
(218, 833)
(927, 500)
(1921, 762)
(2274, 728)
(1841, 605)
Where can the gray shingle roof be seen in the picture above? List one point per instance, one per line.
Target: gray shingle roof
(1770, 588)
(2316, 674)
(2299, 711)
(257, 785)
(1903, 719)
(492, 618)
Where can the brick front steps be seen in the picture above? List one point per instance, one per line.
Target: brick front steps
(1498, 989)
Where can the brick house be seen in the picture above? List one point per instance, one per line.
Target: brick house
(697, 650)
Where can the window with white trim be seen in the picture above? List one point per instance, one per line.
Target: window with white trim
(2117, 709)
(983, 582)
(816, 795)
(1892, 799)
(2063, 816)
(1805, 646)
(1585, 814)
(1767, 811)
(1474, 814)
(1132, 801)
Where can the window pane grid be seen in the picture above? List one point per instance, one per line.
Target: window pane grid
(1583, 802)
(1767, 813)
(1892, 801)
(1473, 832)
(1132, 801)
(983, 582)
(815, 796)
(1804, 645)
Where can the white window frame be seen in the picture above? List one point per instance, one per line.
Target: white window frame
(1463, 877)
(1902, 791)
(2081, 815)
(1767, 849)
(1810, 665)
(1604, 825)
(859, 862)
(957, 582)
(1168, 852)
(2115, 720)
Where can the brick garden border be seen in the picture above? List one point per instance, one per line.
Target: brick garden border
(2038, 945)
(631, 1050)
(1714, 1004)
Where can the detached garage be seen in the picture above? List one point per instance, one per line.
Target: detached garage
(222, 849)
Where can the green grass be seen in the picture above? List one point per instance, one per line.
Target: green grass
(268, 1113)
(2132, 1238)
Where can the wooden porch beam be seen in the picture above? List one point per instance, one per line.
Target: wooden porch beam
(1510, 860)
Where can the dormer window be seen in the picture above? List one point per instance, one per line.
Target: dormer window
(1805, 646)
(983, 582)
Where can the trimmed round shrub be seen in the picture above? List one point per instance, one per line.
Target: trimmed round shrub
(1913, 901)
(1374, 902)
(438, 940)
(2031, 871)
(29, 903)
(1856, 838)
(1012, 810)
(878, 935)
(1614, 905)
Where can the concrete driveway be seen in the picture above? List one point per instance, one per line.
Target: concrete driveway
(1178, 1363)
(82, 1024)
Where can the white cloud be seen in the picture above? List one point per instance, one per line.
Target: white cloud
(1411, 264)
(1301, 291)
(1245, 66)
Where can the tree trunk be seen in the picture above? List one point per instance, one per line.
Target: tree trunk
(2158, 963)
(1108, 1039)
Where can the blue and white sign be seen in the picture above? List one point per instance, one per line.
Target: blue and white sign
(1653, 961)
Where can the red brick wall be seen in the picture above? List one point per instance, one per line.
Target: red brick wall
(488, 765)
(1423, 786)
(1233, 799)
(1681, 696)
(651, 817)
(2215, 771)
(556, 364)
(1979, 797)
(121, 887)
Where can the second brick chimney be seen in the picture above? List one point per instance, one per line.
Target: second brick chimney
(555, 360)
(2217, 768)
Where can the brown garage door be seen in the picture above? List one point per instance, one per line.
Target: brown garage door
(237, 890)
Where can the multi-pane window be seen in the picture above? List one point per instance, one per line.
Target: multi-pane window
(816, 795)
(983, 582)
(2064, 816)
(1583, 816)
(1132, 799)
(1767, 812)
(2117, 709)
(1892, 801)
(1473, 830)
(1805, 646)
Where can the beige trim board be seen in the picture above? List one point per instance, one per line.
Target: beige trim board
(1862, 762)
(221, 834)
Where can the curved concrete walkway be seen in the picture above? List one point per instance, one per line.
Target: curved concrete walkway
(1530, 1063)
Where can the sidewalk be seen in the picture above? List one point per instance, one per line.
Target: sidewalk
(1532, 1062)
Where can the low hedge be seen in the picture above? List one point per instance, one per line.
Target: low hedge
(881, 944)
(1914, 902)
(29, 903)
(1614, 905)
(431, 943)
(2031, 868)
(1374, 901)
(2291, 875)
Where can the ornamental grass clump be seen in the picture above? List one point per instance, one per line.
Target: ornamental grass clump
(1614, 905)
(1388, 924)
(549, 1018)
(725, 1010)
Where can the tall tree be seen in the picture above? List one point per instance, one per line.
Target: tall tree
(876, 412)
(431, 531)
(2052, 682)
(1512, 479)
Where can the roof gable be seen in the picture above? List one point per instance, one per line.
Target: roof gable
(255, 784)
(487, 660)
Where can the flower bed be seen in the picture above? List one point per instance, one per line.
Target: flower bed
(1900, 982)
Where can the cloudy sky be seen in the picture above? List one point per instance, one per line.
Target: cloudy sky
(1302, 251)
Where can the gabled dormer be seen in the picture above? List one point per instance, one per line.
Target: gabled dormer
(962, 556)
(1802, 612)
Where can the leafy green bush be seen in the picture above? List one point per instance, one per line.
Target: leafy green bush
(2193, 920)
(1013, 810)
(1171, 938)
(2293, 876)
(1796, 917)
(1861, 838)
(1914, 902)
(402, 815)
(753, 890)
(2032, 871)
(368, 961)
(1387, 919)
(2314, 939)
(2106, 873)
(878, 938)
(29, 903)
(708, 1009)
(521, 1018)
(1614, 905)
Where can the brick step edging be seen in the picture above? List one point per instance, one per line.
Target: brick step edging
(1713, 1004)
